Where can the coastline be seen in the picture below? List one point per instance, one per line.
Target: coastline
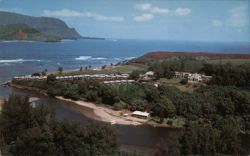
(105, 114)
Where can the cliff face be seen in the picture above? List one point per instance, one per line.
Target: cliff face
(45, 25)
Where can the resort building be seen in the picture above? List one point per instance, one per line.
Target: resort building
(193, 77)
(140, 114)
(147, 77)
(149, 74)
(101, 77)
(119, 82)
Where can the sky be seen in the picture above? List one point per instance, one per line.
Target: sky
(198, 20)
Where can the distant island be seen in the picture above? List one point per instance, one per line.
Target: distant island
(15, 26)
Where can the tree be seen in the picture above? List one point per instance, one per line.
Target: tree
(104, 66)
(70, 91)
(34, 141)
(108, 95)
(24, 127)
(164, 108)
(119, 105)
(164, 69)
(184, 81)
(227, 74)
(138, 104)
(92, 95)
(229, 141)
(51, 78)
(200, 140)
(135, 74)
(102, 139)
(36, 74)
(60, 70)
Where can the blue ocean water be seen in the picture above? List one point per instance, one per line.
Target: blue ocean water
(18, 58)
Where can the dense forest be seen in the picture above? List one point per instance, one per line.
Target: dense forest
(216, 115)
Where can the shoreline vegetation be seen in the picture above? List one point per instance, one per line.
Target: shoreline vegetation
(101, 112)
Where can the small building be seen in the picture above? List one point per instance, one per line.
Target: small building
(149, 74)
(195, 77)
(140, 114)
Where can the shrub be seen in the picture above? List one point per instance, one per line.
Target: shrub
(184, 81)
(119, 105)
(71, 91)
(51, 78)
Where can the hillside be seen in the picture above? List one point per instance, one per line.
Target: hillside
(24, 32)
(198, 56)
(46, 26)
(192, 61)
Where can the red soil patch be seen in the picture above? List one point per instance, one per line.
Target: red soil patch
(165, 55)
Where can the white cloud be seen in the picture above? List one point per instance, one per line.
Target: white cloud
(159, 10)
(144, 17)
(217, 23)
(73, 13)
(99, 17)
(62, 13)
(143, 7)
(182, 11)
(16, 10)
(238, 19)
(150, 8)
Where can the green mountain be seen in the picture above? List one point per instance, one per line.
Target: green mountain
(24, 32)
(43, 27)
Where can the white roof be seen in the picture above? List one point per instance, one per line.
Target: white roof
(150, 73)
(139, 113)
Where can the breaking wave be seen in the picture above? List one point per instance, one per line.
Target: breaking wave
(83, 58)
(18, 61)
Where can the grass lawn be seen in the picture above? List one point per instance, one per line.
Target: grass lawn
(189, 87)
(233, 61)
(109, 70)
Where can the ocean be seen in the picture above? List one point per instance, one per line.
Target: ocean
(19, 58)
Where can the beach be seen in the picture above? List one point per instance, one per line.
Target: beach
(105, 114)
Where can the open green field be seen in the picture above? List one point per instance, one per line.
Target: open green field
(189, 87)
(232, 61)
(109, 70)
